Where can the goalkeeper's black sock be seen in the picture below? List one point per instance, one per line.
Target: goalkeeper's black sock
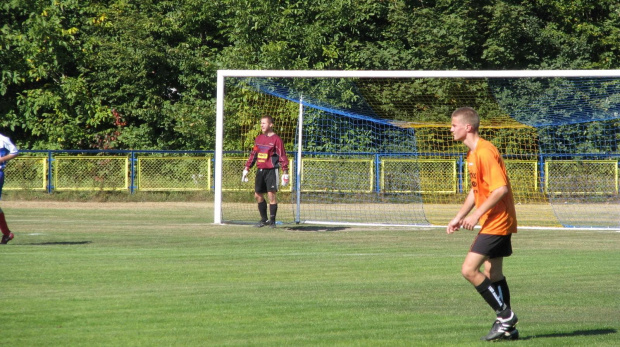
(487, 291)
(501, 287)
(273, 210)
(262, 209)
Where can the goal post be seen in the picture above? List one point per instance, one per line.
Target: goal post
(374, 148)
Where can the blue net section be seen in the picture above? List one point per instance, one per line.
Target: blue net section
(335, 96)
(547, 102)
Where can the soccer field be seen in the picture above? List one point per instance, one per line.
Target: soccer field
(153, 274)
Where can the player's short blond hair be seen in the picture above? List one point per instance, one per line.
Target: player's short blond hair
(469, 116)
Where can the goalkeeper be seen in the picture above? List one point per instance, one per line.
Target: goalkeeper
(268, 154)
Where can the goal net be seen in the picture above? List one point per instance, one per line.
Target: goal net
(375, 148)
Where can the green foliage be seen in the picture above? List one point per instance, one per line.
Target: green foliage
(141, 74)
(47, 102)
(151, 60)
(114, 76)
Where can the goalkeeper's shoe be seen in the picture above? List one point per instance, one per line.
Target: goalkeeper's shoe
(503, 329)
(262, 223)
(7, 238)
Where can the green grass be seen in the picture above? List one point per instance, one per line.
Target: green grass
(160, 274)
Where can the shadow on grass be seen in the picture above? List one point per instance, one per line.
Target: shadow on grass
(316, 228)
(59, 243)
(593, 332)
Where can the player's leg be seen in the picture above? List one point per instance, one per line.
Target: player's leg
(272, 198)
(471, 268)
(259, 190)
(504, 327)
(488, 250)
(272, 182)
(496, 247)
(471, 271)
(493, 269)
(273, 208)
(502, 249)
(262, 209)
(7, 235)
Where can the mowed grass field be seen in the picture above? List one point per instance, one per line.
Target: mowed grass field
(160, 274)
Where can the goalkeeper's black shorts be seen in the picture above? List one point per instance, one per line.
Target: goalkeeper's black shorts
(266, 180)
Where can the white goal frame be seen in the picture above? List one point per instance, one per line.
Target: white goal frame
(223, 74)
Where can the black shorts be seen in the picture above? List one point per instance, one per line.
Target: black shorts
(493, 246)
(266, 181)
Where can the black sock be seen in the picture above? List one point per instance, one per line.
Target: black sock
(262, 209)
(491, 297)
(273, 210)
(501, 287)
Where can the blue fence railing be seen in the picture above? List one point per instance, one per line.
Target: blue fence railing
(133, 170)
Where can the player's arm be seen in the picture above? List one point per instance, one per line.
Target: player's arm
(283, 159)
(8, 157)
(249, 163)
(281, 153)
(12, 149)
(252, 158)
(496, 195)
(457, 221)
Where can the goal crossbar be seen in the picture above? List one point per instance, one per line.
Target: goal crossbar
(418, 73)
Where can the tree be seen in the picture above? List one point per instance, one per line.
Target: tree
(46, 102)
(141, 74)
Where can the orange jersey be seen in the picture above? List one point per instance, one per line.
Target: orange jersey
(487, 172)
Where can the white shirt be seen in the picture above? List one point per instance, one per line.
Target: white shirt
(6, 147)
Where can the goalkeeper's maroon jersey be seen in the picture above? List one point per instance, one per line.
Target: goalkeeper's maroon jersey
(268, 153)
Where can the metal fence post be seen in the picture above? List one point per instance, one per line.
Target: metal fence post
(50, 175)
(132, 172)
(377, 174)
(541, 165)
(460, 173)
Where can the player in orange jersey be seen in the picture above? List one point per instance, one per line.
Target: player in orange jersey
(491, 195)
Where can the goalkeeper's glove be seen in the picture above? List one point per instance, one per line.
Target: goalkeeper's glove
(244, 177)
(284, 180)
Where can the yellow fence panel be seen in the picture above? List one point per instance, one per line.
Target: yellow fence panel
(437, 176)
(430, 176)
(523, 175)
(232, 169)
(26, 173)
(174, 173)
(91, 173)
(337, 175)
(581, 177)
